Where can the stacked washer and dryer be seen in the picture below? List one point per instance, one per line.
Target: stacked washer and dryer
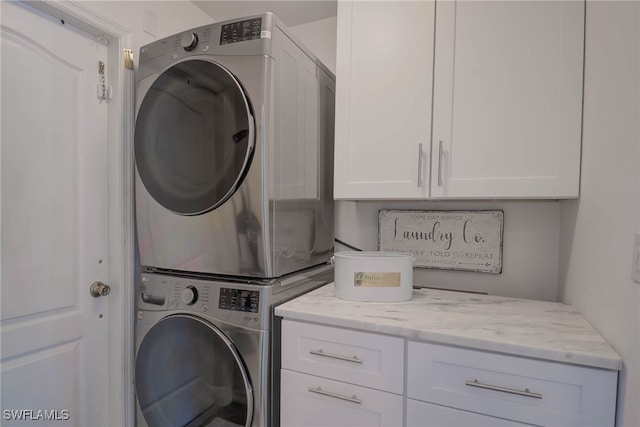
(234, 215)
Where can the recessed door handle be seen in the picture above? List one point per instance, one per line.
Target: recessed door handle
(240, 135)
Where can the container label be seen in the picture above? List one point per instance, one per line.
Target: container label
(376, 280)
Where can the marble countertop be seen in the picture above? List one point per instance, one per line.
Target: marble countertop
(539, 329)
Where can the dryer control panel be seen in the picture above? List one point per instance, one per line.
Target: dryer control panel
(249, 29)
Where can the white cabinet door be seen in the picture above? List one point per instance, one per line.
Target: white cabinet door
(507, 99)
(357, 357)
(383, 99)
(307, 400)
(421, 414)
(515, 388)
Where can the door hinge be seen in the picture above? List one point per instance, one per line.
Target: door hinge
(103, 91)
(128, 59)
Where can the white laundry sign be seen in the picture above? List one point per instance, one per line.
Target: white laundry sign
(453, 240)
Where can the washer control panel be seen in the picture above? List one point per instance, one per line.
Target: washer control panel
(189, 294)
(239, 300)
(236, 303)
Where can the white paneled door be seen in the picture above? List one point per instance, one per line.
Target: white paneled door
(54, 166)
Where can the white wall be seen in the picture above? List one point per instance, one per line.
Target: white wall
(530, 245)
(171, 17)
(320, 38)
(597, 230)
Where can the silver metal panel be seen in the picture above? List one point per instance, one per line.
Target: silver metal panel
(161, 53)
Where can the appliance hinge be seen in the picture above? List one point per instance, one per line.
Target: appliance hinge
(103, 91)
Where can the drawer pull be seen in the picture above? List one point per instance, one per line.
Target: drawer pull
(525, 392)
(352, 399)
(319, 352)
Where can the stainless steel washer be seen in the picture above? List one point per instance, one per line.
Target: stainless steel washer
(203, 348)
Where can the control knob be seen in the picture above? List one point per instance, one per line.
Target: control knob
(189, 295)
(189, 41)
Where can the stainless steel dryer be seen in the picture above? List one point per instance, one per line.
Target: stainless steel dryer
(234, 151)
(203, 348)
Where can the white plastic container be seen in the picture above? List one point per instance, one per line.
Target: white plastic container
(373, 276)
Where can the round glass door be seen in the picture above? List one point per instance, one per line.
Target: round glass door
(194, 137)
(188, 373)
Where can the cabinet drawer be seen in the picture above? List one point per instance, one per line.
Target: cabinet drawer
(361, 358)
(420, 414)
(515, 388)
(313, 401)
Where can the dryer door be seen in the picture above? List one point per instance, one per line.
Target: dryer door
(194, 137)
(188, 373)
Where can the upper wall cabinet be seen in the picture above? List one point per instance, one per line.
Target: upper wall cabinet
(384, 68)
(505, 83)
(507, 112)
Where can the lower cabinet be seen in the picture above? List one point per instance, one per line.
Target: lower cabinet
(341, 377)
(520, 389)
(308, 400)
(334, 377)
(420, 414)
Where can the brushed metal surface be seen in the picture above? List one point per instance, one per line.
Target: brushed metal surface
(269, 227)
(230, 357)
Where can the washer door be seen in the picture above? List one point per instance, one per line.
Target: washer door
(188, 373)
(194, 137)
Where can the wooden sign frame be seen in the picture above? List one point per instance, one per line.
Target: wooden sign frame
(448, 240)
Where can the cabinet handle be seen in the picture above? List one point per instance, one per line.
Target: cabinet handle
(319, 352)
(525, 392)
(440, 164)
(420, 165)
(352, 399)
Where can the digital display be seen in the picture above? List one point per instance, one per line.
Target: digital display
(239, 300)
(241, 31)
